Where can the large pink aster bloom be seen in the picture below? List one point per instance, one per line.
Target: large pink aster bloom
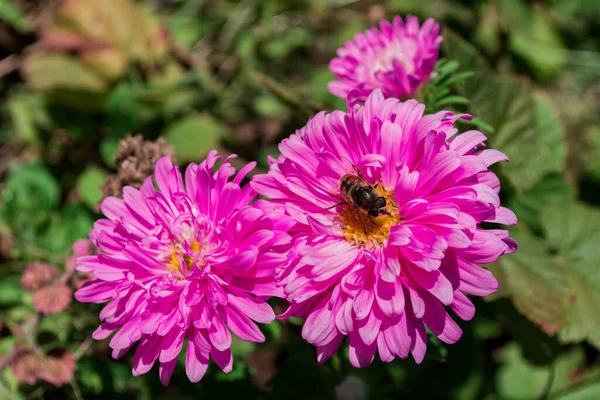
(398, 58)
(381, 280)
(190, 260)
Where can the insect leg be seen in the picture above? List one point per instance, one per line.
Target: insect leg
(358, 219)
(335, 205)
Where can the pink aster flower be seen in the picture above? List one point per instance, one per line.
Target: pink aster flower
(398, 58)
(190, 260)
(380, 280)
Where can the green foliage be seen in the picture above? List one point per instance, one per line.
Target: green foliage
(241, 76)
(522, 119)
(88, 185)
(518, 379)
(194, 136)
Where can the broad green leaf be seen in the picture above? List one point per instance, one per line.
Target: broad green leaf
(31, 187)
(47, 72)
(550, 128)
(526, 126)
(88, 185)
(551, 190)
(533, 38)
(194, 136)
(534, 280)
(574, 231)
(518, 379)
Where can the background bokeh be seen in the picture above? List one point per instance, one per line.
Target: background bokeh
(78, 75)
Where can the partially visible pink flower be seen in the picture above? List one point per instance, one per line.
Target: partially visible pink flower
(52, 298)
(192, 260)
(381, 280)
(397, 58)
(81, 247)
(38, 274)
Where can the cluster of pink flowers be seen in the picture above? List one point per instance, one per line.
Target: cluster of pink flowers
(194, 257)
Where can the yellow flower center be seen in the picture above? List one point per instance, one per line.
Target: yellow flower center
(174, 264)
(359, 228)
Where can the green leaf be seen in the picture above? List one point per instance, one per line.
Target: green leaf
(574, 231)
(452, 100)
(88, 185)
(27, 112)
(74, 222)
(49, 72)
(594, 141)
(534, 280)
(269, 106)
(556, 284)
(58, 324)
(540, 45)
(286, 42)
(551, 190)
(194, 136)
(11, 291)
(108, 149)
(550, 128)
(32, 187)
(66, 80)
(518, 379)
(123, 109)
(527, 127)
(13, 16)
(89, 377)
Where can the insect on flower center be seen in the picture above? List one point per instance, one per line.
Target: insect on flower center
(359, 228)
(174, 260)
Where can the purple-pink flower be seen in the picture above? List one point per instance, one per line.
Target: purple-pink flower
(397, 58)
(380, 280)
(191, 259)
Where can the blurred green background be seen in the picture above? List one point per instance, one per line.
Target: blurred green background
(78, 75)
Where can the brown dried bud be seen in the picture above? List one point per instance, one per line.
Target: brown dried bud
(52, 299)
(38, 275)
(135, 160)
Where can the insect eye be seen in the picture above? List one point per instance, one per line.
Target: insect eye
(380, 202)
